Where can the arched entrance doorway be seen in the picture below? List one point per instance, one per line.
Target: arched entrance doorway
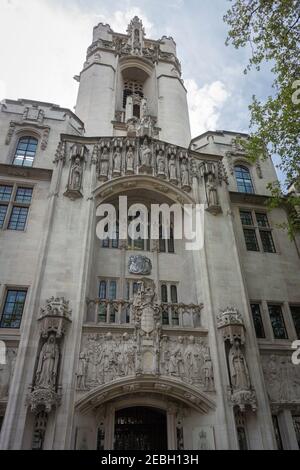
(140, 428)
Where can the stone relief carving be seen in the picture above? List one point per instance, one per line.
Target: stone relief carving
(6, 372)
(144, 350)
(282, 378)
(10, 132)
(139, 265)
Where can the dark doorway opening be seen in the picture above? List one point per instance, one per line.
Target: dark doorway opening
(141, 428)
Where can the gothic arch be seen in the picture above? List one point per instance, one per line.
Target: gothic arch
(187, 394)
(126, 184)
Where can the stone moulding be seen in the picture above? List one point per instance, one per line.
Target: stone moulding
(230, 321)
(43, 400)
(188, 394)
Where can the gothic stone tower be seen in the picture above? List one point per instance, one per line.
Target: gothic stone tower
(109, 341)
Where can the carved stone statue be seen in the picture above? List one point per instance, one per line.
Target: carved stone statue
(146, 154)
(130, 160)
(173, 169)
(185, 174)
(117, 161)
(76, 175)
(161, 164)
(238, 368)
(82, 371)
(211, 187)
(104, 165)
(208, 373)
(46, 374)
(176, 366)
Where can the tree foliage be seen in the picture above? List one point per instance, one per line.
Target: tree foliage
(271, 28)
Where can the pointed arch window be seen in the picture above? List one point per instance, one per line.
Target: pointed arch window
(25, 151)
(243, 179)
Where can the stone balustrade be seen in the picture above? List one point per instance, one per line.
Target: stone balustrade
(120, 312)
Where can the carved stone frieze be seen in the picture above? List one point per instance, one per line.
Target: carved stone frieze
(282, 378)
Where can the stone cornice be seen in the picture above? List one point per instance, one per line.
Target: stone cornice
(257, 199)
(40, 174)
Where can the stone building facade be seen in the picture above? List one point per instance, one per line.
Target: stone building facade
(123, 344)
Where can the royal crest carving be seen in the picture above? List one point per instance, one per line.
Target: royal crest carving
(139, 265)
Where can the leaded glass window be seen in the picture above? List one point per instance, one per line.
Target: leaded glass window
(277, 321)
(243, 180)
(257, 320)
(13, 308)
(25, 151)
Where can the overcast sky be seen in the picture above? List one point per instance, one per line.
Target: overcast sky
(43, 45)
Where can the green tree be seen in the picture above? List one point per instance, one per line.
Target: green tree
(272, 30)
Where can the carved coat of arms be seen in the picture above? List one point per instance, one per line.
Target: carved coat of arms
(139, 265)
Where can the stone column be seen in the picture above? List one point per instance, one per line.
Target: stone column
(287, 430)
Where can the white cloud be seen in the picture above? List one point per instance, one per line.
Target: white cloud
(120, 20)
(43, 45)
(205, 105)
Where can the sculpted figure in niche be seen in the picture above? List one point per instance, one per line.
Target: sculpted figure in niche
(104, 162)
(130, 159)
(82, 371)
(47, 369)
(172, 168)
(208, 372)
(146, 154)
(117, 160)
(184, 173)
(238, 368)
(165, 355)
(76, 175)
(211, 188)
(161, 164)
